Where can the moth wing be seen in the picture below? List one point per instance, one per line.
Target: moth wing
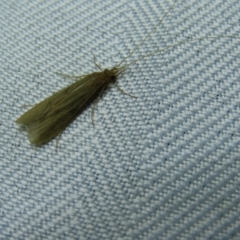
(40, 132)
(41, 109)
(51, 116)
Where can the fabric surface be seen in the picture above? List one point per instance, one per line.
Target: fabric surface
(162, 166)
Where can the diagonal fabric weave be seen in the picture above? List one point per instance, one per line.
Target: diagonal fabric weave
(163, 166)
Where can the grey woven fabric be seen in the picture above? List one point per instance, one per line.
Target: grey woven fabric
(162, 166)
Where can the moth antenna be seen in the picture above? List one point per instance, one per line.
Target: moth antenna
(144, 39)
(175, 45)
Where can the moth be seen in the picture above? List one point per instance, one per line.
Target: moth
(49, 118)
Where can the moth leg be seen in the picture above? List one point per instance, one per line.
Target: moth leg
(57, 140)
(27, 105)
(92, 112)
(122, 91)
(94, 104)
(98, 66)
(66, 76)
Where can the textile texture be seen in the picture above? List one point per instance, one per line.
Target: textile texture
(164, 165)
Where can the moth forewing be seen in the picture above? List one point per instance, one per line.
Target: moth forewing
(50, 117)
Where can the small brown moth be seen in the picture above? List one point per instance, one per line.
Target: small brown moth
(49, 118)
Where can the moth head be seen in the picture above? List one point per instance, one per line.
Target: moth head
(110, 74)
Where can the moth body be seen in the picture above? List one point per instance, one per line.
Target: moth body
(50, 117)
